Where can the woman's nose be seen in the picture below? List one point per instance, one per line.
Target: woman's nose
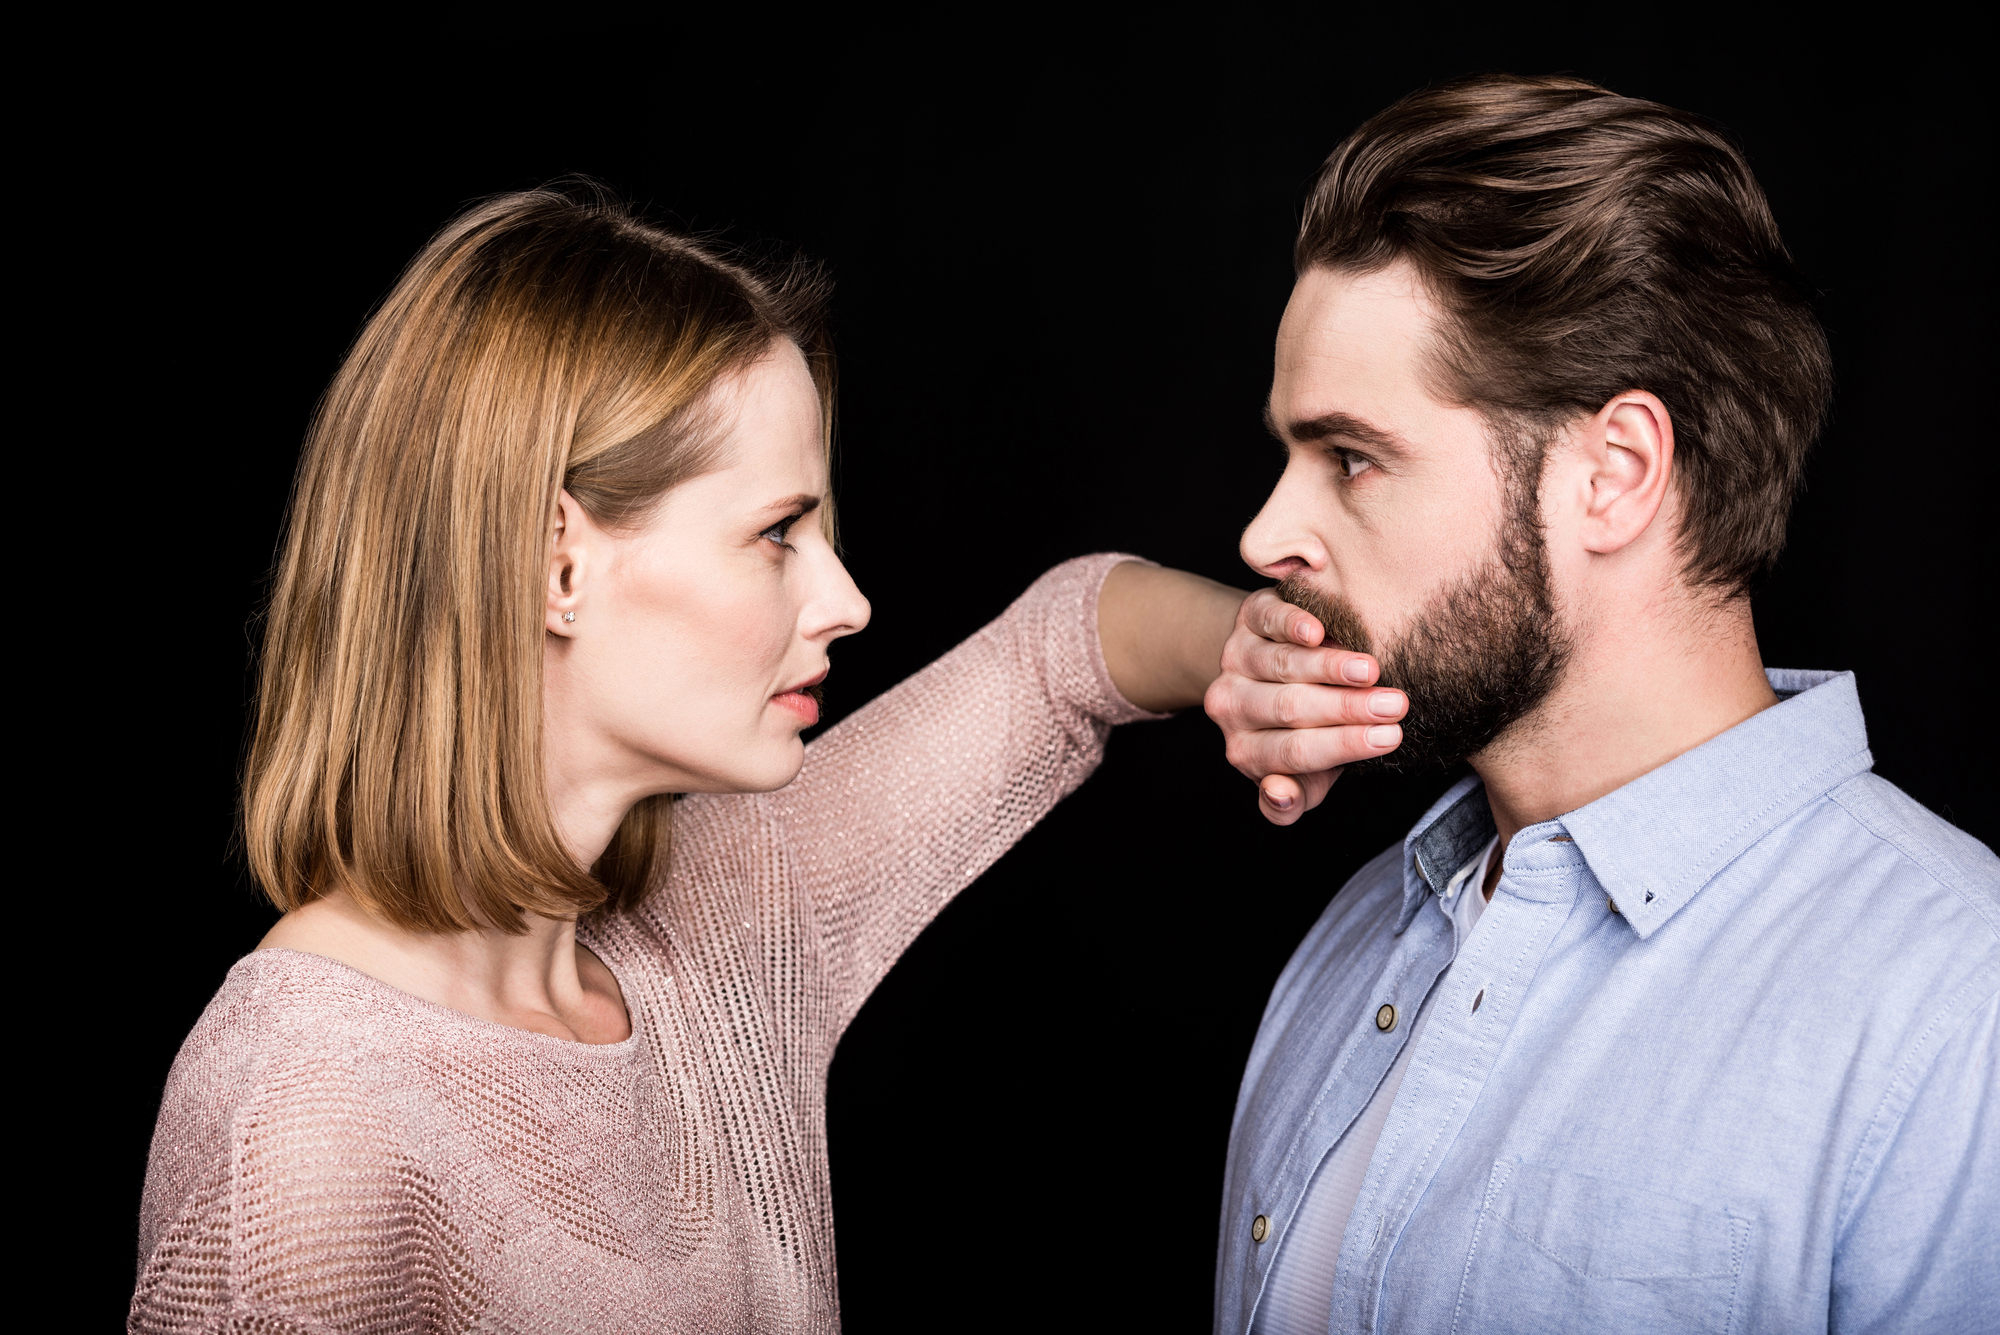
(838, 607)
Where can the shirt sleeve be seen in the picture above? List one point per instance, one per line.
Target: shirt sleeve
(908, 800)
(1919, 1251)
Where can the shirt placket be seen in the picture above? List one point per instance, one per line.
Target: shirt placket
(1356, 1071)
(1478, 1004)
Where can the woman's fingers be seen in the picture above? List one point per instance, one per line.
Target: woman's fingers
(1309, 750)
(1266, 660)
(1283, 798)
(1293, 711)
(1275, 641)
(1270, 616)
(1241, 704)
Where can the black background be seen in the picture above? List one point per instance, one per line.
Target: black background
(1060, 261)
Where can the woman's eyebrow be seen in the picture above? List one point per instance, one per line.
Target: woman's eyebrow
(805, 503)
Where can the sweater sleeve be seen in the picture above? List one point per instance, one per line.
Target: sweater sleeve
(908, 800)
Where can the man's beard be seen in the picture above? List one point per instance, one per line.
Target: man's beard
(1477, 658)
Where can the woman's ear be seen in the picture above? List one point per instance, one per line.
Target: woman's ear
(574, 551)
(1629, 449)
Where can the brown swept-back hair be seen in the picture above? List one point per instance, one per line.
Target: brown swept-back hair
(543, 341)
(1583, 244)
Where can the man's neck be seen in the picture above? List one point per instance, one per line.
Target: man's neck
(1633, 697)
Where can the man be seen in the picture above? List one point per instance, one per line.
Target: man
(1670, 1015)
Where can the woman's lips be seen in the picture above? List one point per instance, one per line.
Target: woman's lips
(799, 703)
(802, 699)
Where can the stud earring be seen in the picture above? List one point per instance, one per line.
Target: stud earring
(569, 616)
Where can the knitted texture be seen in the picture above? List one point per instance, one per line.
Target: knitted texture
(335, 1155)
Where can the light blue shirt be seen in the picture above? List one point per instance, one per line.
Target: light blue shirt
(1733, 1066)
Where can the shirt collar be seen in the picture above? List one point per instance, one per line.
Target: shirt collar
(1654, 843)
(1456, 827)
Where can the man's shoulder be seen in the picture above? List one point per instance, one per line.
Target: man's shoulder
(1377, 887)
(1923, 855)
(1362, 914)
(1928, 841)
(1864, 883)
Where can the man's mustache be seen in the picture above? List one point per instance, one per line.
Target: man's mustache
(1342, 623)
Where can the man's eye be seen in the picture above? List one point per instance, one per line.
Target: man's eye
(1351, 465)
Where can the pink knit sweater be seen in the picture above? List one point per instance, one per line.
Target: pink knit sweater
(335, 1155)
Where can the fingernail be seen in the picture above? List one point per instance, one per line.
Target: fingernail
(1384, 735)
(1355, 670)
(1386, 704)
(1281, 803)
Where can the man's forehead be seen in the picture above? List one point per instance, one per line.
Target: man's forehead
(1370, 318)
(1352, 344)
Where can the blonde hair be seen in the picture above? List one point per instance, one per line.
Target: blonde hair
(543, 341)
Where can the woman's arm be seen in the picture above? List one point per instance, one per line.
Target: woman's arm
(1163, 632)
(907, 800)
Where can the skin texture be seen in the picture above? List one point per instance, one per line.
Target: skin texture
(1162, 632)
(682, 672)
(1388, 515)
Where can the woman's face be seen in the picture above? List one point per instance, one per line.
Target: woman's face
(696, 635)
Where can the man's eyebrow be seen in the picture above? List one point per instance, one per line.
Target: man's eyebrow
(1340, 426)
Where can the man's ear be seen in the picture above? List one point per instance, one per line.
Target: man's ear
(1629, 450)
(574, 554)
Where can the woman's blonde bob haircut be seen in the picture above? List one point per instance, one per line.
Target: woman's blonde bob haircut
(543, 341)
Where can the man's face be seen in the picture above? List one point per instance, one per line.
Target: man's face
(1399, 520)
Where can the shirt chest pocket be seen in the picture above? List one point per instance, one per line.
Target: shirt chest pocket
(1558, 1251)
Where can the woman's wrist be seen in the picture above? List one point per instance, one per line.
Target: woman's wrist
(1162, 632)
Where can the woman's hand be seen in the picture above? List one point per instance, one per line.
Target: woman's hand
(1292, 713)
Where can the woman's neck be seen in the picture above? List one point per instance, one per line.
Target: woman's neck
(542, 980)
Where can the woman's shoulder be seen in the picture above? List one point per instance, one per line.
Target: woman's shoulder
(292, 1033)
(289, 1043)
(286, 1118)
(272, 1005)
(285, 1029)
(288, 1026)
(285, 1006)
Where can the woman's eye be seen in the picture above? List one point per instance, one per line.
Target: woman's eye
(781, 530)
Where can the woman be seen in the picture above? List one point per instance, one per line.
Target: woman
(538, 1045)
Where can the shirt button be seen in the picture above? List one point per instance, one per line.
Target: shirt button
(1260, 1228)
(1385, 1019)
(1611, 904)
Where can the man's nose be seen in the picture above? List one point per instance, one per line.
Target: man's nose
(1280, 540)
